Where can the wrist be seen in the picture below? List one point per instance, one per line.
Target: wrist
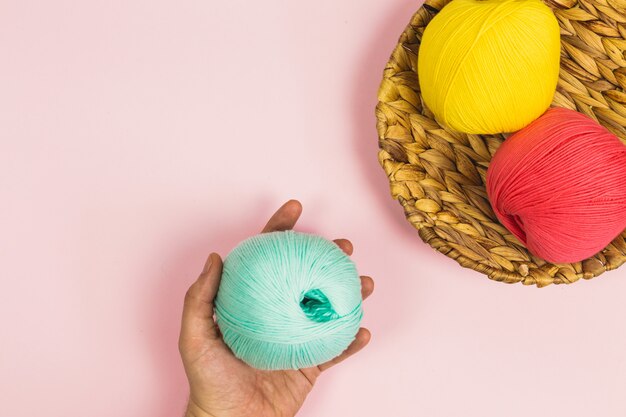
(194, 411)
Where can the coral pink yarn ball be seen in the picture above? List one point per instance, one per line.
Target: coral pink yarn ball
(559, 185)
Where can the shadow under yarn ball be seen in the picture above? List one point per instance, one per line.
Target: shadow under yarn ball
(288, 300)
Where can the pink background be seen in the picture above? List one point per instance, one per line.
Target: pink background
(138, 136)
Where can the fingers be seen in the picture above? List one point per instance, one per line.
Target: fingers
(285, 217)
(198, 309)
(363, 336)
(367, 286)
(367, 283)
(345, 245)
(361, 339)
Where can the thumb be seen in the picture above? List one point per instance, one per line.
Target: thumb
(198, 320)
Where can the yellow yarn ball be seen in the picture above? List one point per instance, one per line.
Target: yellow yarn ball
(489, 66)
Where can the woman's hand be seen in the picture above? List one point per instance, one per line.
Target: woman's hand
(222, 385)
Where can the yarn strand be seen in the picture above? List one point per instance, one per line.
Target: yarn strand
(559, 186)
(288, 300)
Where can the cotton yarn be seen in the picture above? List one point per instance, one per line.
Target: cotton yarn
(559, 185)
(489, 66)
(288, 300)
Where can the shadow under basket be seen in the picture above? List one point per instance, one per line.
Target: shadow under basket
(438, 175)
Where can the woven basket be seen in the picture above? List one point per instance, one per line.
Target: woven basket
(438, 175)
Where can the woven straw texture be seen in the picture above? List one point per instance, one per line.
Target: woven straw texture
(438, 175)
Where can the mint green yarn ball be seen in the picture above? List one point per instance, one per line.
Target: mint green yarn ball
(288, 300)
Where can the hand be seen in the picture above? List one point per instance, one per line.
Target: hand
(222, 385)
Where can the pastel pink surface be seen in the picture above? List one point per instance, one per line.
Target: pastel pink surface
(138, 136)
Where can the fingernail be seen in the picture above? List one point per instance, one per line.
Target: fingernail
(207, 264)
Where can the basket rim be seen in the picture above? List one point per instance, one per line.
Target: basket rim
(542, 274)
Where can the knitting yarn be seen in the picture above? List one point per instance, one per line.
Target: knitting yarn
(288, 300)
(489, 66)
(559, 185)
